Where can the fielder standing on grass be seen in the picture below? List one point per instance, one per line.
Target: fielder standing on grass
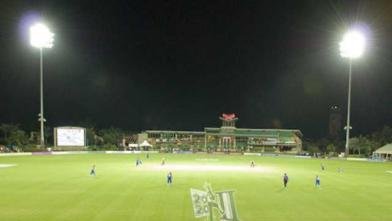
(169, 178)
(285, 180)
(92, 172)
(138, 162)
(322, 167)
(317, 183)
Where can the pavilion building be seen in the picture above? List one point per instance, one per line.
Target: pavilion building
(384, 152)
(227, 138)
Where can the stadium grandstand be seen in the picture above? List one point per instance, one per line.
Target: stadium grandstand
(227, 138)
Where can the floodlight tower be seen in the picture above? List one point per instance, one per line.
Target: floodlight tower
(352, 46)
(41, 37)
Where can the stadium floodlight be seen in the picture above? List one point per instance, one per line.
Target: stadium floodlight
(352, 46)
(41, 37)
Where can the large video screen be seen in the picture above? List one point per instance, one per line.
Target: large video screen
(70, 136)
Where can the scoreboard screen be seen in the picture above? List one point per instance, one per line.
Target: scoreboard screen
(70, 136)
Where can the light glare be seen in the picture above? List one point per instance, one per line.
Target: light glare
(40, 36)
(352, 45)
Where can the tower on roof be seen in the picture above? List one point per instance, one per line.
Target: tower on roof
(228, 120)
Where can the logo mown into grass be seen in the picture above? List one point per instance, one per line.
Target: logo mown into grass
(207, 203)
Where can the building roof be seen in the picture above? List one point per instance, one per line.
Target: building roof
(175, 132)
(253, 132)
(386, 149)
(145, 144)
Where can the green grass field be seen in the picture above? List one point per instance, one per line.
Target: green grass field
(40, 188)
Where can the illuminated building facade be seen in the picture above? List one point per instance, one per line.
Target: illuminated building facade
(227, 138)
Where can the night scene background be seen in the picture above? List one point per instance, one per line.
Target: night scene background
(178, 65)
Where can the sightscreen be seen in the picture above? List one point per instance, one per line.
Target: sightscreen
(70, 136)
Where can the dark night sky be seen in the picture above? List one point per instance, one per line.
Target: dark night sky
(179, 64)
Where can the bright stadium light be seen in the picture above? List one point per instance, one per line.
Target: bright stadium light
(41, 37)
(352, 46)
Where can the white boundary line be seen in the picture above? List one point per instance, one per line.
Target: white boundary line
(15, 154)
(7, 165)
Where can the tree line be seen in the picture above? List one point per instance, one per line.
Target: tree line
(362, 145)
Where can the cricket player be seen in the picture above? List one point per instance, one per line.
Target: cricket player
(317, 183)
(92, 172)
(169, 178)
(285, 180)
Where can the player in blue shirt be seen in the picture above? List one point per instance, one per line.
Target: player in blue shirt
(169, 178)
(138, 162)
(317, 183)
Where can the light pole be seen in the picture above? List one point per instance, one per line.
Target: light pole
(41, 37)
(352, 46)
